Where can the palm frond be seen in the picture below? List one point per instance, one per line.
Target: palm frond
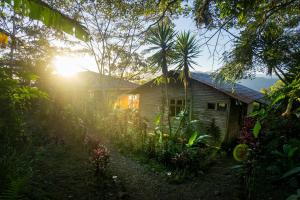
(186, 50)
(161, 39)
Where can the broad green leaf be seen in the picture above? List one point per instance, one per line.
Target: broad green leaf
(278, 98)
(39, 10)
(192, 139)
(256, 129)
(297, 112)
(157, 119)
(292, 152)
(203, 138)
(160, 140)
(237, 167)
(291, 172)
(286, 148)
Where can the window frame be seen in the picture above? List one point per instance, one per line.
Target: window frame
(211, 103)
(224, 109)
(178, 107)
(217, 106)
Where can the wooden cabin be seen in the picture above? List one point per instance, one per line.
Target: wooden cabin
(99, 94)
(226, 104)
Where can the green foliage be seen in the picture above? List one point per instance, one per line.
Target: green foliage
(157, 119)
(197, 139)
(267, 37)
(186, 50)
(292, 172)
(214, 131)
(162, 40)
(273, 154)
(184, 151)
(256, 129)
(13, 192)
(39, 10)
(273, 88)
(294, 196)
(192, 139)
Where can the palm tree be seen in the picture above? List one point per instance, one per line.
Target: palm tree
(162, 40)
(186, 50)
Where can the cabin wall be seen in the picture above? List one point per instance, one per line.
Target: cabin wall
(151, 100)
(202, 95)
(238, 112)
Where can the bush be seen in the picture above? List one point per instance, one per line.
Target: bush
(214, 131)
(271, 155)
(100, 159)
(182, 150)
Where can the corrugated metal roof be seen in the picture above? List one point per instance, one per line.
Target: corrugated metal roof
(236, 91)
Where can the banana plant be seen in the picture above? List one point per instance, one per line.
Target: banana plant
(49, 16)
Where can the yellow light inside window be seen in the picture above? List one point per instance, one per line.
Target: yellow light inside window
(3, 40)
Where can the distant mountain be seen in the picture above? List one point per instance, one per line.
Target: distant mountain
(258, 83)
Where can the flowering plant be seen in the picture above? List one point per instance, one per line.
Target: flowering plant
(100, 158)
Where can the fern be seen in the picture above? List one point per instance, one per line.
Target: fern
(14, 190)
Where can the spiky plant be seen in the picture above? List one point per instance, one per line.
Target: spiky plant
(161, 39)
(186, 50)
(162, 43)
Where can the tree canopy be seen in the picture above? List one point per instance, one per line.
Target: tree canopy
(39, 10)
(266, 35)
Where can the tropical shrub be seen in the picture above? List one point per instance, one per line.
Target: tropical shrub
(270, 154)
(214, 131)
(186, 150)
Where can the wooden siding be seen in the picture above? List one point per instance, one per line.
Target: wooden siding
(236, 119)
(202, 95)
(151, 100)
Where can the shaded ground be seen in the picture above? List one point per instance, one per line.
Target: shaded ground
(220, 182)
(63, 171)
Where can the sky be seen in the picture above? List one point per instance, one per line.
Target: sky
(206, 61)
(68, 64)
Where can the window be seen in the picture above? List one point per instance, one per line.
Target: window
(217, 106)
(176, 106)
(91, 93)
(211, 106)
(221, 106)
(133, 101)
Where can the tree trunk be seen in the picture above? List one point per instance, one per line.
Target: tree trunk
(186, 83)
(165, 98)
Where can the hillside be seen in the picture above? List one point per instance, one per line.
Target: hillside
(258, 83)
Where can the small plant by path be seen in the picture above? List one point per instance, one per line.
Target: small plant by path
(65, 172)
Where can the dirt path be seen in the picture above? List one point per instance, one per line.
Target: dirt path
(220, 182)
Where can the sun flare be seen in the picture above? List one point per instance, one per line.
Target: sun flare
(66, 66)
